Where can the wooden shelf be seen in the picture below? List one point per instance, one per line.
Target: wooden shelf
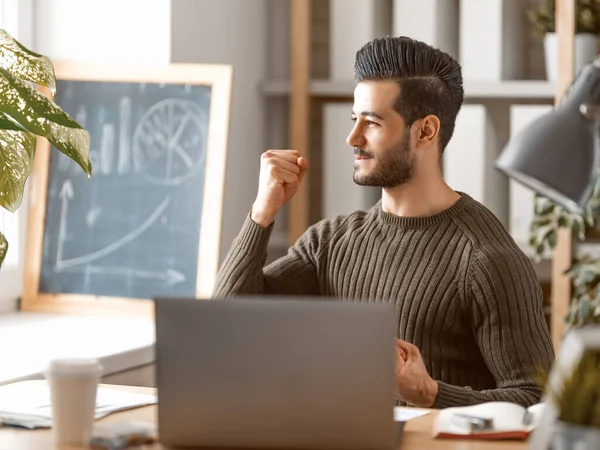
(509, 90)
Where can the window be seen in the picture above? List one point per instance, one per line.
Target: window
(9, 226)
(17, 19)
(9, 222)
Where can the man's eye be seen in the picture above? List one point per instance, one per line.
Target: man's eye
(370, 122)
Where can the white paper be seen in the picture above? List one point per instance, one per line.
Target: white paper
(27, 403)
(402, 414)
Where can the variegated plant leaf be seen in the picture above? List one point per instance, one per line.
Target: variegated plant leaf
(17, 149)
(24, 63)
(3, 248)
(39, 115)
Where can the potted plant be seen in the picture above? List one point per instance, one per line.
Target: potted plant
(577, 397)
(26, 113)
(585, 306)
(587, 29)
(584, 271)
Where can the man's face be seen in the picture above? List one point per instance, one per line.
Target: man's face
(380, 138)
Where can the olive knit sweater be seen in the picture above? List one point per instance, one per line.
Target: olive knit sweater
(463, 292)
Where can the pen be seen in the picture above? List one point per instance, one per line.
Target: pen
(473, 423)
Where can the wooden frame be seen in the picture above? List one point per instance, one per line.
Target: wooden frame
(219, 77)
(563, 252)
(300, 18)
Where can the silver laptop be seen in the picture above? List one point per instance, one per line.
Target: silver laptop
(282, 373)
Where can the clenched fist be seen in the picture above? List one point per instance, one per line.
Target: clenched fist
(281, 172)
(415, 386)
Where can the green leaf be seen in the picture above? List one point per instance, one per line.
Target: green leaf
(25, 64)
(3, 248)
(547, 208)
(533, 240)
(585, 311)
(551, 237)
(579, 228)
(539, 222)
(7, 123)
(563, 222)
(568, 221)
(17, 149)
(540, 250)
(41, 116)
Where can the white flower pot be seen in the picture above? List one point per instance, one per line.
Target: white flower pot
(574, 437)
(585, 51)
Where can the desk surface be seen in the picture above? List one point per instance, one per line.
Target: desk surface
(417, 433)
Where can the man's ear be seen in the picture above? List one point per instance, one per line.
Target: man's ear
(428, 130)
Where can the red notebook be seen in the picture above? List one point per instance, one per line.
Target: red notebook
(492, 420)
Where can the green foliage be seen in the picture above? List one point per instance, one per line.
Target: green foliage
(585, 271)
(549, 218)
(578, 392)
(24, 114)
(585, 306)
(587, 17)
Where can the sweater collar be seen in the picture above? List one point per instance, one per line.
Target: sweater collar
(425, 221)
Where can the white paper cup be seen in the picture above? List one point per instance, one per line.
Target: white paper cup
(73, 386)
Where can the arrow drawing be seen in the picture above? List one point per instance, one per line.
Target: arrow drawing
(66, 263)
(170, 276)
(66, 193)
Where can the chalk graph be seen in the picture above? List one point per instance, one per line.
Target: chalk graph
(167, 144)
(166, 147)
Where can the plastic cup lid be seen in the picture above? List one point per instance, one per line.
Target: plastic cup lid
(74, 366)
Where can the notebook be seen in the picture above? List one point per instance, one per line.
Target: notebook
(491, 420)
(26, 404)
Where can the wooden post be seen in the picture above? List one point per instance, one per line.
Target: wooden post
(300, 14)
(563, 253)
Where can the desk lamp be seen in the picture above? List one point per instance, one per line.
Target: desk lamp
(557, 156)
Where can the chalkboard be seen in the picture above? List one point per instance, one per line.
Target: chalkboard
(138, 228)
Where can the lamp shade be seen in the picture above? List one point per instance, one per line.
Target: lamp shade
(557, 156)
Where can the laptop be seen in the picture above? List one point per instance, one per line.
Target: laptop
(285, 373)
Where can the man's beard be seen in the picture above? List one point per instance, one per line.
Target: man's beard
(392, 168)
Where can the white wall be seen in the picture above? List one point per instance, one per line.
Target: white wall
(230, 32)
(104, 30)
(468, 161)
(353, 23)
(99, 31)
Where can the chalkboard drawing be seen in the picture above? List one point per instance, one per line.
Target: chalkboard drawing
(166, 141)
(107, 148)
(148, 221)
(93, 215)
(124, 136)
(66, 194)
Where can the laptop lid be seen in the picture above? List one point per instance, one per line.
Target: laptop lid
(275, 373)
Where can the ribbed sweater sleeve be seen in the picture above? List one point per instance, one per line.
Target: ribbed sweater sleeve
(509, 328)
(243, 271)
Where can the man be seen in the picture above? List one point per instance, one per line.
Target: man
(469, 308)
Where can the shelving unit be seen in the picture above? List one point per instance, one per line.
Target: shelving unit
(308, 93)
(474, 90)
(563, 253)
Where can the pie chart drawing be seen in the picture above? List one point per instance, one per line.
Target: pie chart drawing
(169, 143)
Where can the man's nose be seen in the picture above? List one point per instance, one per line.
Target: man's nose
(355, 138)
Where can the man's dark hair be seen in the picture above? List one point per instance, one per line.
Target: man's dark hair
(430, 80)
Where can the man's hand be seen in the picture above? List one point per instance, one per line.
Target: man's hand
(281, 172)
(415, 386)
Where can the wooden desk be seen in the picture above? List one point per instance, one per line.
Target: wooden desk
(417, 434)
